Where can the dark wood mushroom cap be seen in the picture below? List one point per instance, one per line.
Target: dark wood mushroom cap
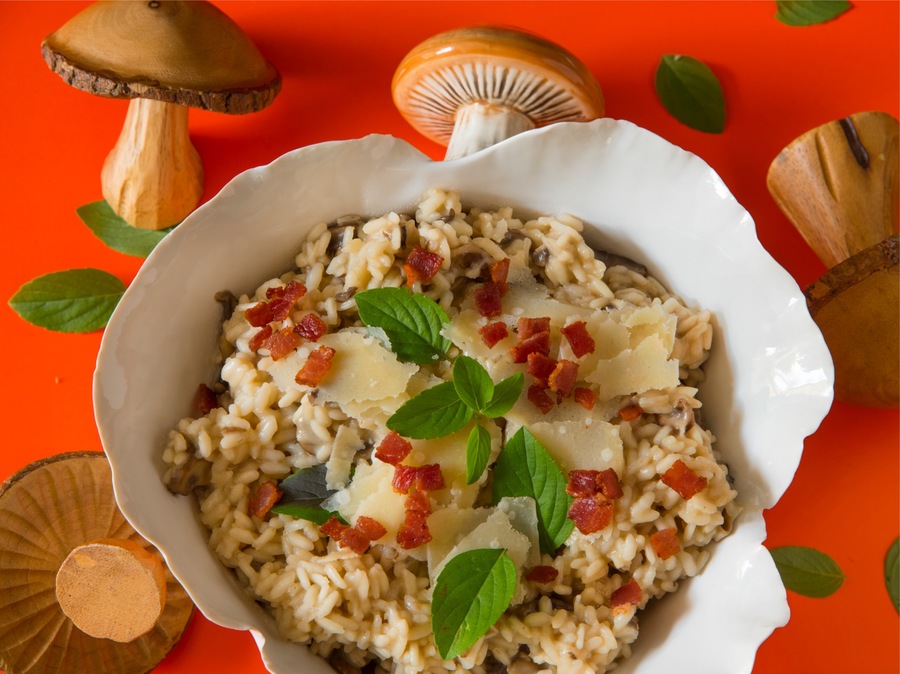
(187, 53)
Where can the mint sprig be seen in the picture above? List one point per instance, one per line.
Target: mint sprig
(471, 593)
(478, 453)
(807, 571)
(434, 413)
(412, 323)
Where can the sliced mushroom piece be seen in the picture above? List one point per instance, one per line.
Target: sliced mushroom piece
(681, 418)
(190, 475)
(473, 87)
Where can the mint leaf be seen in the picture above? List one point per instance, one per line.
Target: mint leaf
(412, 323)
(691, 93)
(525, 468)
(78, 300)
(506, 393)
(478, 453)
(892, 573)
(807, 571)
(473, 383)
(303, 493)
(471, 593)
(809, 12)
(434, 413)
(310, 513)
(118, 234)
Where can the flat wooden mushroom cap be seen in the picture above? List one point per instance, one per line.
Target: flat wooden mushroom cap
(49, 511)
(188, 53)
(495, 66)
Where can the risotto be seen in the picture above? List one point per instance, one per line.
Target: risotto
(424, 387)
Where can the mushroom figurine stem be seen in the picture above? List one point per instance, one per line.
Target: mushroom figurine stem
(153, 177)
(479, 125)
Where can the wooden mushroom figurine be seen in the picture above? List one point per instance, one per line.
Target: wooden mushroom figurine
(80, 590)
(838, 184)
(473, 87)
(167, 56)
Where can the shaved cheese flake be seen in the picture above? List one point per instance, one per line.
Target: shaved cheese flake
(644, 322)
(522, 514)
(587, 444)
(645, 367)
(463, 329)
(337, 470)
(448, 526)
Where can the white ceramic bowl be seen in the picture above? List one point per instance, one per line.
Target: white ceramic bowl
(769, 381)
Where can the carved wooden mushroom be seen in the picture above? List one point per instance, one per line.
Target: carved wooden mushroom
(80, 590)
(167, 56)
(838, 184)
(473, 87)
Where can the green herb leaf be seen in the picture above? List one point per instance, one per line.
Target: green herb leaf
(473, 383)
(892, 573)
(310, 513)
(691, 93)
(506, 393)
(525, 468)
(412, 323)
(807, 571)
(303, 493)
(118, 234)
(478, 453)
(471, 593)
(809, 12)
(78, 300)
(434, 413)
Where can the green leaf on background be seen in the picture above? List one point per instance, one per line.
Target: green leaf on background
(473, 383)
(118, 234)
(77, 300)
(471, 593)
(412, 323)
(807, 571)
(809, 12)
(525, 468)
(691, 93)
(506, 393)
(892, 573)
(478, 453)
(433, 413)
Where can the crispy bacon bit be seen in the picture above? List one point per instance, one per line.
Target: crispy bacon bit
(665, 543)
(630, 412)
(404, 478)
(526, 327)
(206, 399)
(333, 528)
(280, 302)
(537, 343)
(421, 265)
(493, 333)
(542, 574)
(562, 379)
(311, 327)
(266, 495)
(582, 482)
(628, 595)
(354, 539)
(372, 528)
(499, 272)
(608, 484)
(683, 480)
(419, 502)
(540, 366)
(487, 300)
(579, 340)
(585, 397)
(282, 342)
(591, 514)
(414, 531)
(316, 367)
(393, 449)
(257, 340)
(538, 396)
(429, 478)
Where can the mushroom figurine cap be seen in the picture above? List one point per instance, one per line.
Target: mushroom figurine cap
(188, 53)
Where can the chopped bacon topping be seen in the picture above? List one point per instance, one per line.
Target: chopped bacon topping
(585, 397)
(257, 340)
(333, 527)
(281, 300)
(526, 327)
(540, 366)
(429, 478)
(538, 396)
(357, 537)
(630, 412)
(393, 449)
(493, 333)
(372, 528)
(537, 343)
(419, 502)
(421, 265)
(404, 478)
(499, 272)
(266, 495)
(562, 379)
(665, 542)
(316, 366)
(579, 340)
(414, 531)
(282, 342)
(608, 484)
(311, 327)
(629, 594)
(591, 514)
(683, 480)
(487, 299)
(206, 399)
(582, 482)
(354, 539)
(542, 574)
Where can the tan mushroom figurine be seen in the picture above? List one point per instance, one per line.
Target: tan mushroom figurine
(473, 87)
(838, 184)
(80, 590)
(167, 56)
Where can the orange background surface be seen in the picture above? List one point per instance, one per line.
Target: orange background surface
(337, 60)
